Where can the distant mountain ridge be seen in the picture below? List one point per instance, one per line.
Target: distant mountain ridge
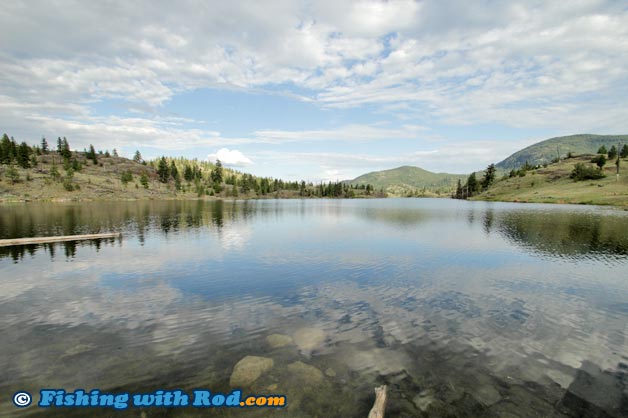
(405, 179)
(545, 151)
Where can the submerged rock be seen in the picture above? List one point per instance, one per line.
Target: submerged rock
(305, 373)
(249, 369)
(278, 340)
(308, 339)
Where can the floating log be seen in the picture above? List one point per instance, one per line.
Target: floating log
(380, 403)
(58, 238)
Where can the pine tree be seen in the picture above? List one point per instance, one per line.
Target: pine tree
(612, 153)
(163, 172)
(174, 172)
(188, 174)
(65, 149)
(217, 173)
(12, 174)
(144, 180)
(24, 155)
(44, 145)
(137, 157)
(624, 151)
(458, 194)
(472, 185)
(489, 176)
(115, 152)
(54, 172)
(602, 150)
(601, 161)
(91, 154)
(5, 150)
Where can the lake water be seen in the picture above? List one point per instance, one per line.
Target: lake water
(461, 308)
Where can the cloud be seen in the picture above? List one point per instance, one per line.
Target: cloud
(553, 65)
(456, 157)
(233, 158)
(352, 132)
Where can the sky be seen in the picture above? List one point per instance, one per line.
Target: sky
(314, 90)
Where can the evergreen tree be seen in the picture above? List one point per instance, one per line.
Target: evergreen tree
(44, 145)
(163, 172)
(174, 172)
(217, 173)
(489, 176)
(472, 185)
(115, 152)
(624, 151)
(7, 150)
(137, 157)
(188, 173)
(24, 155)
(458, 194)
(76, 165)
(602, 150)
(54, 172)
(601, 161)
(144, 180)
(91, 154)
(12, 174)
(65, 149)
(59, 145)
(612, 153)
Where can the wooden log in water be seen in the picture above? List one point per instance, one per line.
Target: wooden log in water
(380, 403)
(59, 238)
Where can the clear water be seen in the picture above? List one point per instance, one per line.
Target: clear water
(461, 308)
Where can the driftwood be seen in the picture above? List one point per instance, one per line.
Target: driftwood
(59, 238)
(380, 403)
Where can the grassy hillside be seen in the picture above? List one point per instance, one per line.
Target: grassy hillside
(406, 180)
(49, 178)
(92, 182)
(546, 151)
(553, 185)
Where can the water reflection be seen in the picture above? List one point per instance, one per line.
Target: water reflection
(567, 233)
(447, 302)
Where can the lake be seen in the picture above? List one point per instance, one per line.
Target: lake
(461, 308)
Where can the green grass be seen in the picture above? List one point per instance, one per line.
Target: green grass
(553, 185)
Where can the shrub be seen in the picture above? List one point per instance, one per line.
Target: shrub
(67, 184)
(583, 172)
(126, 177)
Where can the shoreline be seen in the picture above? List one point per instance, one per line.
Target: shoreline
(623, 206)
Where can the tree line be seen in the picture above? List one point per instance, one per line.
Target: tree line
(178, 174)
(474, 186)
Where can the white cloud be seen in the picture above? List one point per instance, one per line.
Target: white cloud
(229, 157)
(551, 64)
(353, 132)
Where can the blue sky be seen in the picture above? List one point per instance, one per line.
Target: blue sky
(319, 90)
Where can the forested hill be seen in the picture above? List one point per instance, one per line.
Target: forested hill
(545, 152)
(47, 172)
(409, 180)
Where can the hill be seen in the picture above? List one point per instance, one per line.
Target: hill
(39, 173)
(552, 184)
(547, 151)
(406, 180)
